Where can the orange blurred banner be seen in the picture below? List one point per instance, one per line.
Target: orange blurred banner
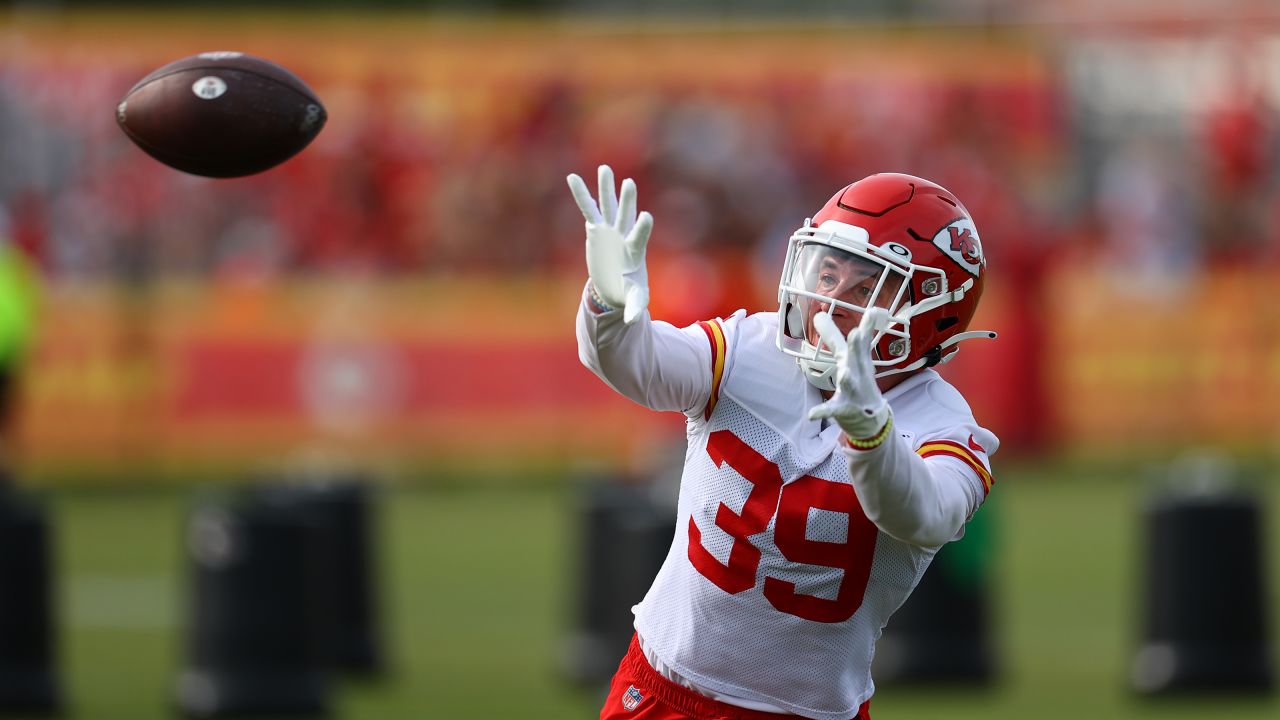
(483, 372)
(468, 372)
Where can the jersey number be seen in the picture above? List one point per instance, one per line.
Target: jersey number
(793, 502)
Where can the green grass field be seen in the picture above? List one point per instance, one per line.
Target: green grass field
(478, 588)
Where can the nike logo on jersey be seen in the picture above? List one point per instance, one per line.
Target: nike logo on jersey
(973, 444)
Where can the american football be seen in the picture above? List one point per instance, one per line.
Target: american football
(221, 114)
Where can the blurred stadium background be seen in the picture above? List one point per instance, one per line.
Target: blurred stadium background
(399, 299)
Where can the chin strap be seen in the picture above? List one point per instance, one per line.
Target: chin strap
(824, 380)
(971, 335)
(939, 354)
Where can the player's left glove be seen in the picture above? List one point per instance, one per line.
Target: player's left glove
(857, 405)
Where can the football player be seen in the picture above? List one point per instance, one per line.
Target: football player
(827, 461)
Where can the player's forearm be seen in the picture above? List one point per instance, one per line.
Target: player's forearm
(652, 363)
(913, 500)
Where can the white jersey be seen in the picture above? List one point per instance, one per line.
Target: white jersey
(776, 586)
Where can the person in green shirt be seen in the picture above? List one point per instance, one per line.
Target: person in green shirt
(17, 320)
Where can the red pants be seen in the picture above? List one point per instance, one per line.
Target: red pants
(638, 692)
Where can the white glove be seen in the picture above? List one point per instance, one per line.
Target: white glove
(616, 241)
(857, 404)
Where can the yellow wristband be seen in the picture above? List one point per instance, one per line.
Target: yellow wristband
(873, 442)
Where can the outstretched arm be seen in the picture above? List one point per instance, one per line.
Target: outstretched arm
(919, 501)
(650, 362)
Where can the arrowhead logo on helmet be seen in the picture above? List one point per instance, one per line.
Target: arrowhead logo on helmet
(959, 241)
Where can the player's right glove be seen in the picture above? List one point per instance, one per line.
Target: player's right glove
(857, 404)
(616, 241)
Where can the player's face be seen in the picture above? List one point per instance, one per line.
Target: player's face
(850, 280)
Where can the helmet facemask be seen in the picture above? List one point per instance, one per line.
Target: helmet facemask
(835, 269)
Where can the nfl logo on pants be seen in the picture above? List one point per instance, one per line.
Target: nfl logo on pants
(631, 698)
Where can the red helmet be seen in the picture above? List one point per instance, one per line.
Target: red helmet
(890, 240)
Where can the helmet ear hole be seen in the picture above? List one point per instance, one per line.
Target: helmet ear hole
(795, 328)
(946, 322)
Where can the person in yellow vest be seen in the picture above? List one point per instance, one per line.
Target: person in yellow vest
(17, 320)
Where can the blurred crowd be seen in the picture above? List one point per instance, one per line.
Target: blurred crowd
(393, 188)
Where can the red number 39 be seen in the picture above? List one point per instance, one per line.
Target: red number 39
(793, 502)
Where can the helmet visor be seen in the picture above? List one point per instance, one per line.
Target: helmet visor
(845, 284)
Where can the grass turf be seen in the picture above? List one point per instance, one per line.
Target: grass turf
(477, 590)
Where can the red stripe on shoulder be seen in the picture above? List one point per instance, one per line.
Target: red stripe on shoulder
(715, 336)
(960, 452)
